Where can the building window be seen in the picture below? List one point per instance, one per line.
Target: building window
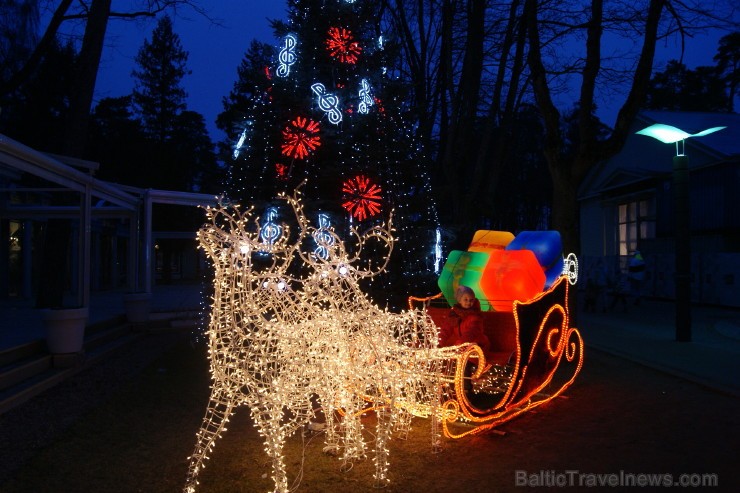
(636, 221)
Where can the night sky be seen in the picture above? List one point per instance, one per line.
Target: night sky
(215, 52)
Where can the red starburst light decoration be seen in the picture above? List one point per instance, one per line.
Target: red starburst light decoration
(341, 45)
(300, 137)
(361, 197)
(282, 171)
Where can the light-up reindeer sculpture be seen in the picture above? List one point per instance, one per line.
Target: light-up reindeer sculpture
(289, 328)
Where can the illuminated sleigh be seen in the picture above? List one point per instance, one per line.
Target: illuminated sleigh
(536, 356)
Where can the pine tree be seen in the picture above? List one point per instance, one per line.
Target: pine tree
(728, 65)
(322, 107)
(179, 150)
(159, 96)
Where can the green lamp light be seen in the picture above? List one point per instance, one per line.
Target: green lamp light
(668, 134)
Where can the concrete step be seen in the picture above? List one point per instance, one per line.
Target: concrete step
(33, 386)
(23, 369)
(28, 370)
(26, 376)
(15, 354)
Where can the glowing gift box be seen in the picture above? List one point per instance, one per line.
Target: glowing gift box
(548, 249)
(486, 241)
(552, 274)
(511, 275)
(464, 268)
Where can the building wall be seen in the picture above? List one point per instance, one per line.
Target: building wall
(592, 228)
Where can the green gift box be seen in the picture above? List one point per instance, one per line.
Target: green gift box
(464, 268)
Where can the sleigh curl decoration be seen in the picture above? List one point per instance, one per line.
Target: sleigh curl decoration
(292, 336)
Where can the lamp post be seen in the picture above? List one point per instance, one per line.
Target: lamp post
(669, 135)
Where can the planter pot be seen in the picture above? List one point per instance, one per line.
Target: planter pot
(137, 307)
(65, 329)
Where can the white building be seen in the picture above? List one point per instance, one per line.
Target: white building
(627, 205)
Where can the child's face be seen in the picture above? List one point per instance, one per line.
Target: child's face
(466, 301)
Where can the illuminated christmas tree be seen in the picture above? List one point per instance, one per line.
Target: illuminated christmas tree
(323, 105)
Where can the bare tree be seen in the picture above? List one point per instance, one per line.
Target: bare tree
(466, 62)
(475, 63)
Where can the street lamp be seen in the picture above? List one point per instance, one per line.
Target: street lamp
(669, 135)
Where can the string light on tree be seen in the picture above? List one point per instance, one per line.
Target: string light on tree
(240, 143)
(438, 257)
(361, 197)
(300, 138)
(342, 46)
(381, 144)
(366, 100)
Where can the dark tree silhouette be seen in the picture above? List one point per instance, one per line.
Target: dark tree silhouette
(181, 152)
(158, 96)
(680, 88)
(728, 65)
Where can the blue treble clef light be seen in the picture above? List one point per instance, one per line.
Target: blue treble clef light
(287, 56)
(270, 232)
(329, 103)
(365, 99)
(324, 240)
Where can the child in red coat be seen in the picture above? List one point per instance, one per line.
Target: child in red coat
(465, 322)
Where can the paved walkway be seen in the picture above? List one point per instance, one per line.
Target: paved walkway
(644, 334)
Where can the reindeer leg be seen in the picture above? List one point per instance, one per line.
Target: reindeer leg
(331, 442)
(267, 418)
(353, 443)
(217, 414)
(383, 436)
